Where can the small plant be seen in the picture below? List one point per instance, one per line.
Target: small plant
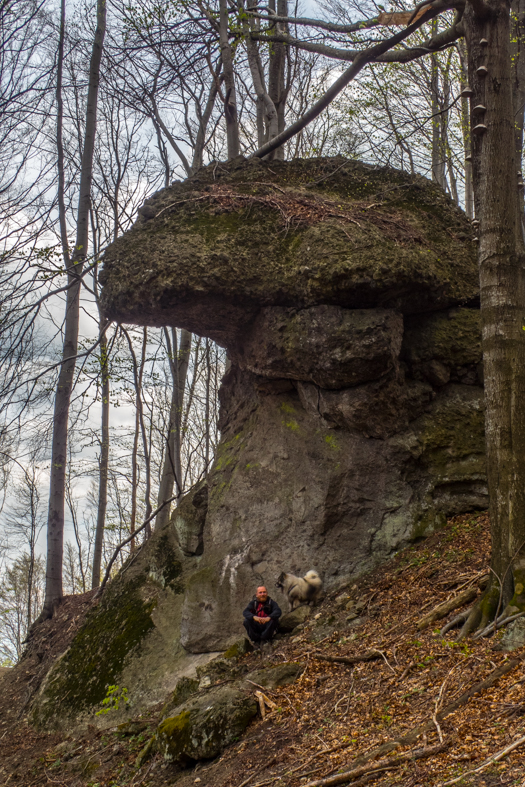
(114, 697)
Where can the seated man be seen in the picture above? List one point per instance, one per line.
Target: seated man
(261, 617)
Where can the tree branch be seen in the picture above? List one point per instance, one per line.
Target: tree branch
(364, 24)
(361, 60)
(126, 541)
(434, 44)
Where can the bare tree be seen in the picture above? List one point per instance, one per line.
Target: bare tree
(55, 526)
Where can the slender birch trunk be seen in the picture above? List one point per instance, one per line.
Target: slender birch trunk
(55, 526)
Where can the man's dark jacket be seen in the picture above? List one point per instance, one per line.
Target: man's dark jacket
(271, 609)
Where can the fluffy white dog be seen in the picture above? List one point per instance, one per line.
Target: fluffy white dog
(300, 590)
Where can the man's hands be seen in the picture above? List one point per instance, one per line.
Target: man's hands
(261, 620)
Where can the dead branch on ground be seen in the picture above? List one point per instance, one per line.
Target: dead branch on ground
(369, 655)
(490, 761)
(387, 764)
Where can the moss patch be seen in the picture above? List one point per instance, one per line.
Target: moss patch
(98, 653)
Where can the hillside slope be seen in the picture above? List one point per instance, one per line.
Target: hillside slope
(465, 699)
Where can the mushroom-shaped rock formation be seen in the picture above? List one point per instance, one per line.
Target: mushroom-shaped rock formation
(352, 413)
(352, 420)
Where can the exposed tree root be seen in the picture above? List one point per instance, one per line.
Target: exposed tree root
(497, 624)
(505, 594)
(466, 595)
(455, 622)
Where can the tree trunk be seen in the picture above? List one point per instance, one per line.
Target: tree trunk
(501, 261)
(55, 525)
(207, 409)
(103, 465)
(277, 63)
(230, 98)
(438, 158)
(137, 382)
(172, 466)
(204, 119)
(465, 129)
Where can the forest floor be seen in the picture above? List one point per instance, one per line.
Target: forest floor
(424, 711)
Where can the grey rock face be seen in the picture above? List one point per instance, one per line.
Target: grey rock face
(275, 676)
(514, 636)
(326, 345)
(289, 491)
(189, 518)
(292, 619)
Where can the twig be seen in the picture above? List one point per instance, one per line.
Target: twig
(325, 177)
(407, 670)
(246, 781)
(146, 774)
(392, 762)
(494, 758)
(387, 662)
(272, 185)
(257, 685)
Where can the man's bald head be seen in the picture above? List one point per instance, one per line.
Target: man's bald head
(261, 594)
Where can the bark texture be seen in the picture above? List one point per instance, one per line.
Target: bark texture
(502, 292)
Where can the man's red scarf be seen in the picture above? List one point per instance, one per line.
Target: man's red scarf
(259, 611)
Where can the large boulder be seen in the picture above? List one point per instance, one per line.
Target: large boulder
(351, 416)
(204, 725)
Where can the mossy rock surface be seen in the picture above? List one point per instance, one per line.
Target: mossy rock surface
(239, 648)
(203, 726)
(208, 253)
(453, 337)
(112, 631)
(184, 689)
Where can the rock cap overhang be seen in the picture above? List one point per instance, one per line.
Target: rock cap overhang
(209, 253)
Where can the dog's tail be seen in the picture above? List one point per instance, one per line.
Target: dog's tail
(314, 582)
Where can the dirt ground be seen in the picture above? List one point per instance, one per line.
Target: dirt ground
(418, 685)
